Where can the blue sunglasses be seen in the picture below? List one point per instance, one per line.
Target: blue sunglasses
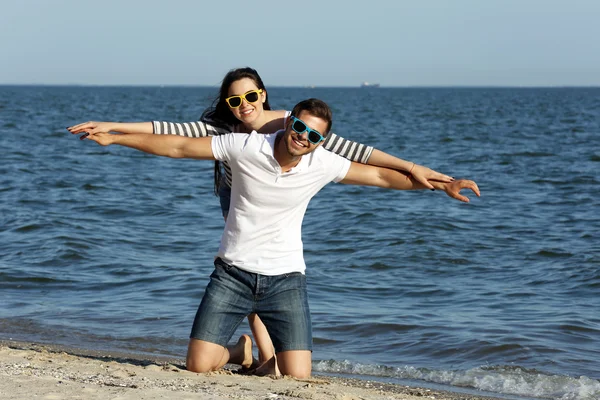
(300, 127)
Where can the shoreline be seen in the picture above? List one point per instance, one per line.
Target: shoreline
(54, 371)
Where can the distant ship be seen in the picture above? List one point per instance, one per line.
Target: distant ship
(367, 84)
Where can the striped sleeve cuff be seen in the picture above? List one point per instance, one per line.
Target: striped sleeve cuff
(156, 128)
(353, 151)
(189, 129)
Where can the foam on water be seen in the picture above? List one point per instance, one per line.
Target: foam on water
(510, 380)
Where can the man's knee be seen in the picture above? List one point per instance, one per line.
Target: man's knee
(197, 364)
(298, 373)
(295, 363)
(203, 356)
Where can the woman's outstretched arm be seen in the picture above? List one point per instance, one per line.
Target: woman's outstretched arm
(189, 129)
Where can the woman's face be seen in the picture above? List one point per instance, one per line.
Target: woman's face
(247, 112)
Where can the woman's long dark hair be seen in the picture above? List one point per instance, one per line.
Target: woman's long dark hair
(219, 114)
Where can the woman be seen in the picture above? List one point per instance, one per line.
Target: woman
(243, 106)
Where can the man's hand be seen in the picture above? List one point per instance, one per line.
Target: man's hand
(453, 189)
(102, 138)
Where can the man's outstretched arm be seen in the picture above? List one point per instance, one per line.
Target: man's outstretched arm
(167, 145)
(368, 175)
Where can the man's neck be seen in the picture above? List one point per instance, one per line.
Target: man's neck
(281, 154)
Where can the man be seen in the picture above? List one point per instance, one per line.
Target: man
(260, 264)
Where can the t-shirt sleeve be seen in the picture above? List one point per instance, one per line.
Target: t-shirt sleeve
(336, 167)
(343, 170)
(228, 147)
(219, 145)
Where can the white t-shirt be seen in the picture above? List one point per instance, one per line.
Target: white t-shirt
(263, 230)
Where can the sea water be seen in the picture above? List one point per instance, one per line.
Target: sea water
(109, 248)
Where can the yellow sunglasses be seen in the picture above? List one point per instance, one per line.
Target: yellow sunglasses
(251, 96)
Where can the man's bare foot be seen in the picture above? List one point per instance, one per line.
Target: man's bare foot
(268, 368)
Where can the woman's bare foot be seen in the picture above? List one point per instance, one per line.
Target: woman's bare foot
(269, 367)
(248, 357)
(241, 352)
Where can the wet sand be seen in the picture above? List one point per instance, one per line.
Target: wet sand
(30, 370)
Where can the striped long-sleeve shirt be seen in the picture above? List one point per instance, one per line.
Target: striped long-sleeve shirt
(353, 151)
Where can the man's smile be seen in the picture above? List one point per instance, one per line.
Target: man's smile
(298, 142)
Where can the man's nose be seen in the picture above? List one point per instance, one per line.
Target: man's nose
(303, 135)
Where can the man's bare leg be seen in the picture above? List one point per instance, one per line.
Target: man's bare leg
(296, 363)
(205, 356)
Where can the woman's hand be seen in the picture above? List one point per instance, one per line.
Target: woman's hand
(91, 127)
(423, 175)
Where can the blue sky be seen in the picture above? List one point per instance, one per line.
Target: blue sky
(298, 43)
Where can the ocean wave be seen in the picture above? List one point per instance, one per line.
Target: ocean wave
(510, 380)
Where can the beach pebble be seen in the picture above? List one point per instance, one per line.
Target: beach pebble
(299, 394)
(119, 374)
(153, 367)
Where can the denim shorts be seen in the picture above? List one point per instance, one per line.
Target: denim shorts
(281, 302)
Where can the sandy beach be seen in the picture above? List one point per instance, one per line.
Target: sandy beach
(30, 370)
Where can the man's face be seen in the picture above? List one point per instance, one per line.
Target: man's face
(297, 144)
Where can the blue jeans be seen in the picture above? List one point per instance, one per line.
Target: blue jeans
(224, 197)
(281, 302)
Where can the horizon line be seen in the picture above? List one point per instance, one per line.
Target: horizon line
(443, 86)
